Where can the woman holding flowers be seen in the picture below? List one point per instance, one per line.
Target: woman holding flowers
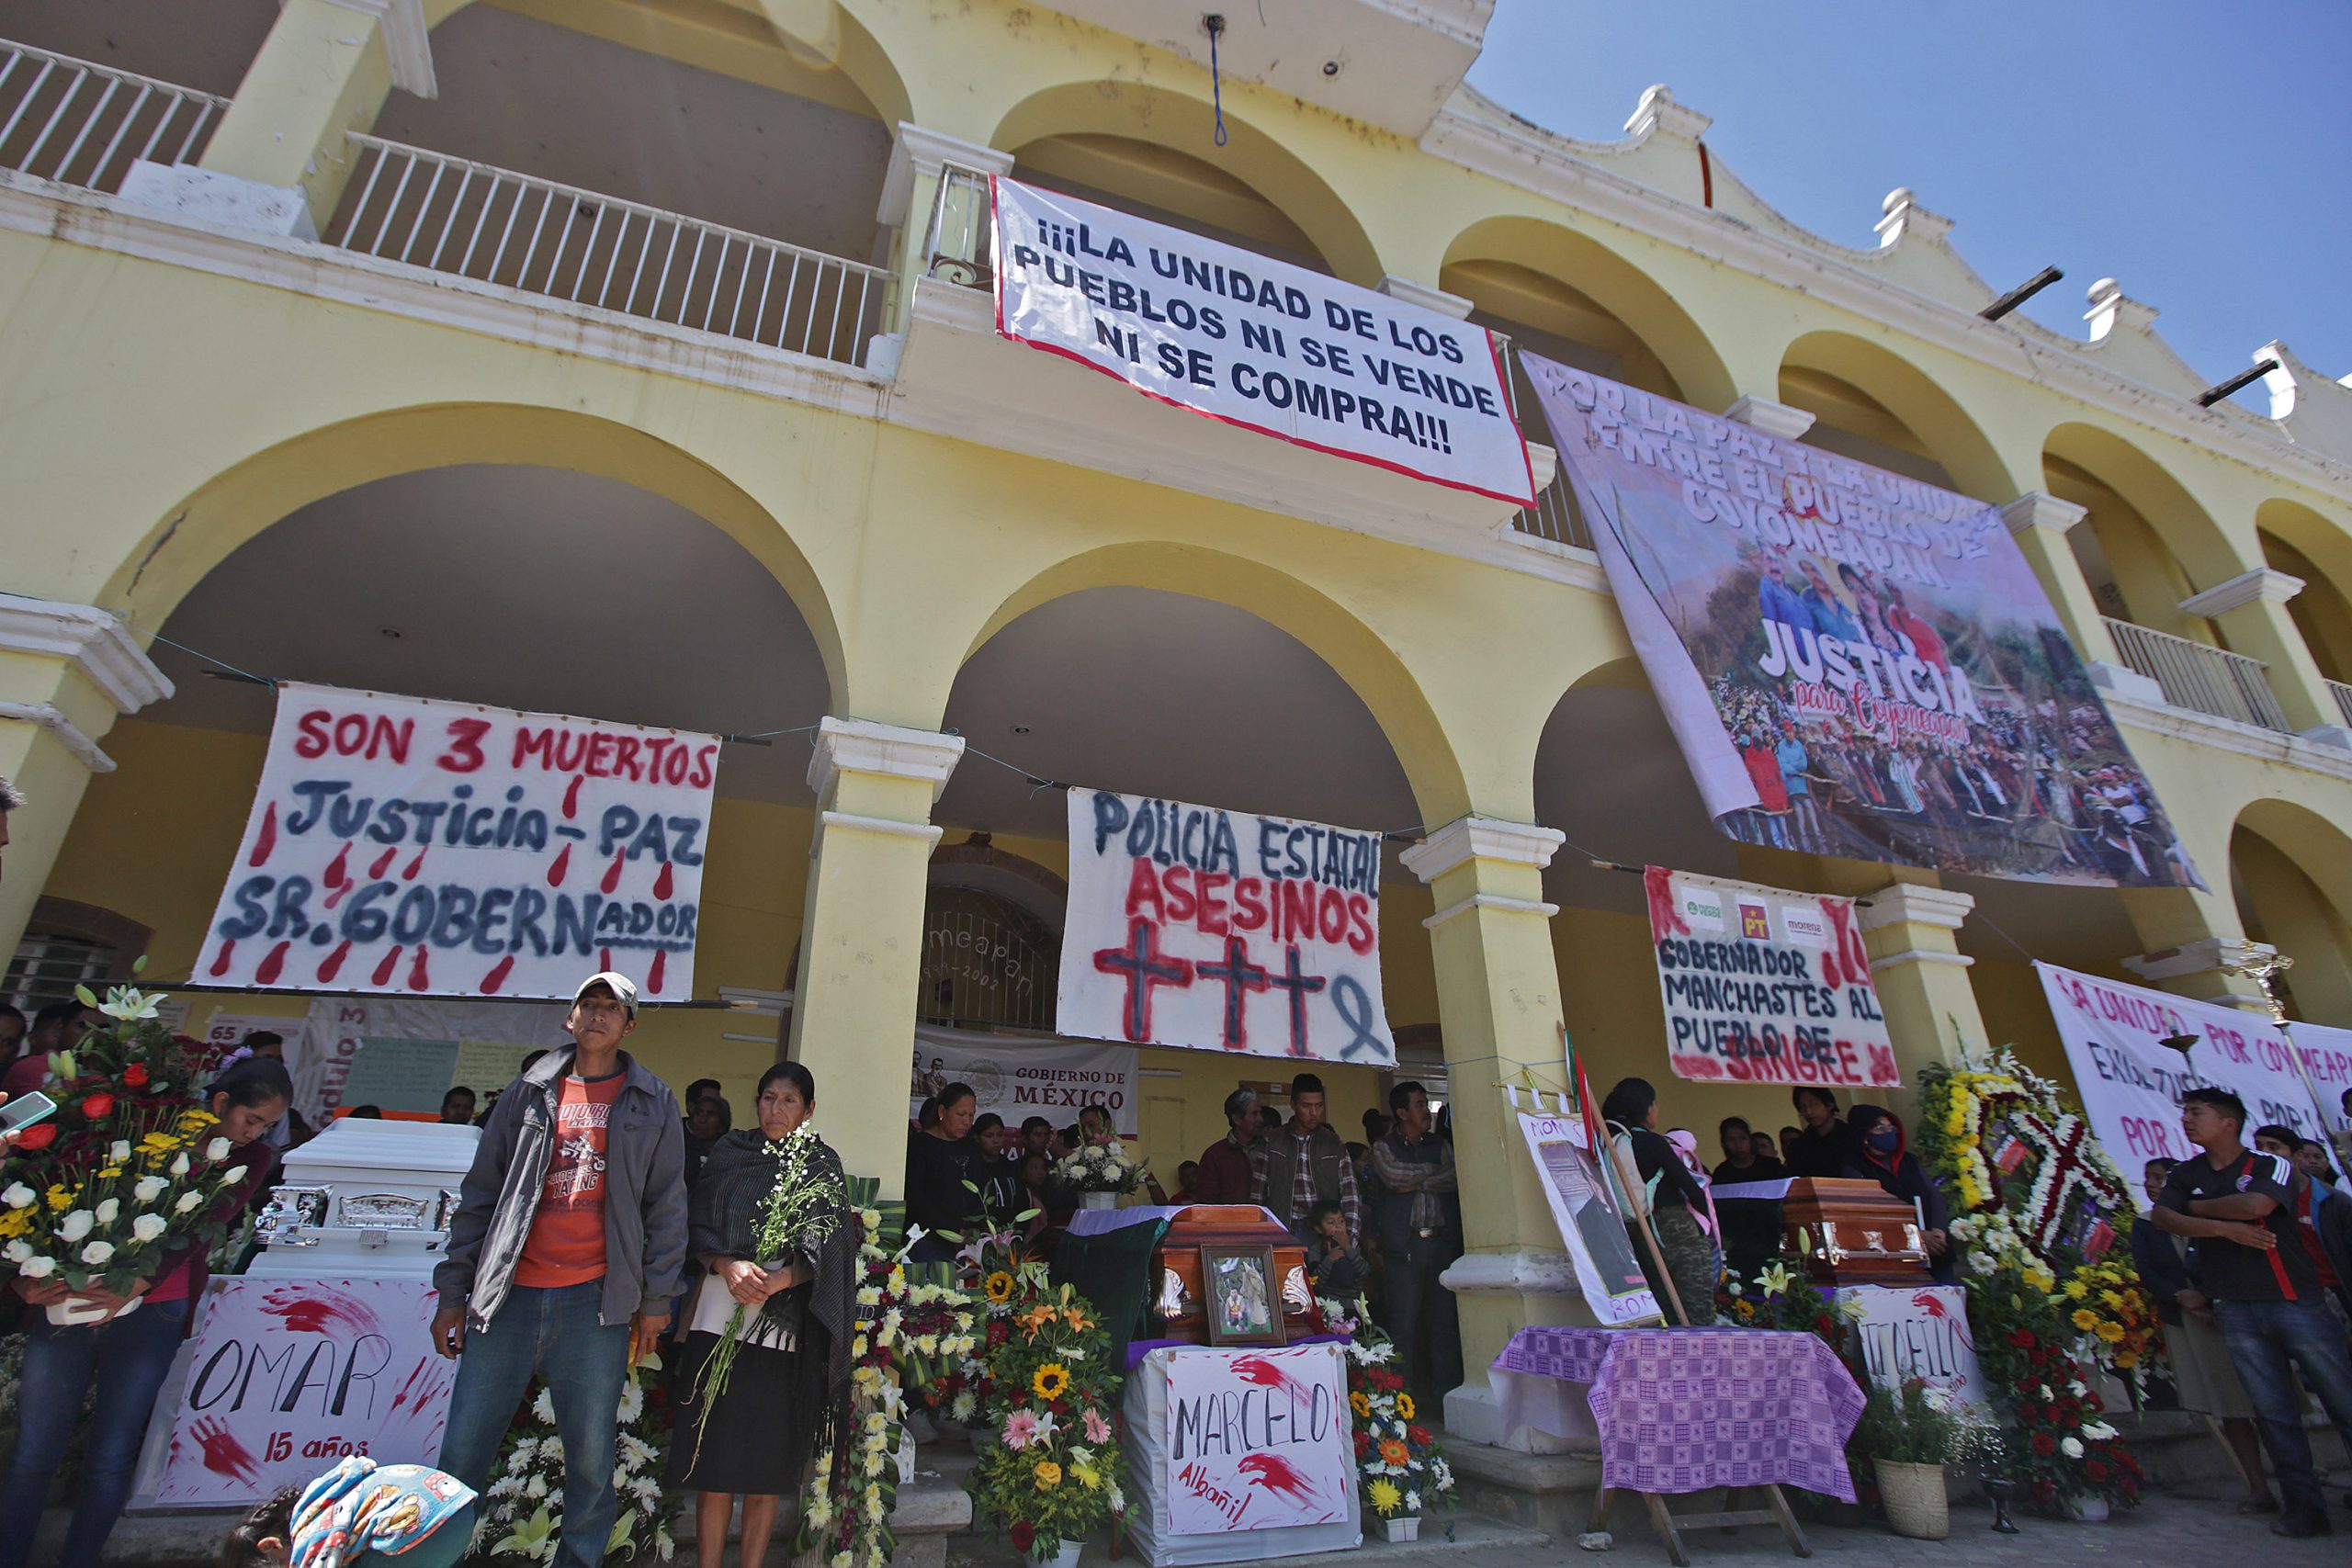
(136, 1326)
(769, 1326)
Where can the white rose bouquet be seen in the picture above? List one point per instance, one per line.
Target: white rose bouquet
(1099, 1167)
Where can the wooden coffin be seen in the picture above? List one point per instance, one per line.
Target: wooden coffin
(1178, 1300)
(1856, 1233)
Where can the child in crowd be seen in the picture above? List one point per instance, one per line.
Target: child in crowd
(1334, 1262)
(356, 1512)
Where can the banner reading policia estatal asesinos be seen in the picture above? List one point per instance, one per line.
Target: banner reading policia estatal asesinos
(1854, 664)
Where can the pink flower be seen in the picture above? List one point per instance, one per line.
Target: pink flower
(1019, 1430)
(1098, 1430)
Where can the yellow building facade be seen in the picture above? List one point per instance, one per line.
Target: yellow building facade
(634, 358)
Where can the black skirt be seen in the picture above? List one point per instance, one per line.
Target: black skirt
(755, 1440)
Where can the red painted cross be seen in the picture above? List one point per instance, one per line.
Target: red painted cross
(1145, 966)
(1240, 975)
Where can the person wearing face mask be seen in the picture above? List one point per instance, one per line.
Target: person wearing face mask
(1877, 1152)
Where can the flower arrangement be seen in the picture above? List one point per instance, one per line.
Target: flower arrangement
(1054, 1473)
(2048, 1296)
(1784, 1298)
(1099, 1167)
(997, 1272)
(521, 1514)
(1920, 1424)
(129, 1169)
(1398, 1460)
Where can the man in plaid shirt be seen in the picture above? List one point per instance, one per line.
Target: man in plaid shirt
(1304, 1163)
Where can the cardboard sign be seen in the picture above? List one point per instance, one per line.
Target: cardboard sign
(1222, 931)
(1765, 986)
(1258, 1439)
(1591, 1228)
(2132, 1083)
(1258, 343)
(1918, 1332)
(285, 1377)
(1853, 662)
(1019, 1078)
(403, 845)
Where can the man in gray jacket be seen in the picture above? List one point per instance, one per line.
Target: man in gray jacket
(564, 1257)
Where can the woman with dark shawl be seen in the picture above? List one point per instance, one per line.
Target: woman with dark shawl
(769, 1324)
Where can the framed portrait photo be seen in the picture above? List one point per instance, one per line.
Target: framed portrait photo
(1244, 1301)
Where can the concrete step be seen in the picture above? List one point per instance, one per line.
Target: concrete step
(1441, 1534)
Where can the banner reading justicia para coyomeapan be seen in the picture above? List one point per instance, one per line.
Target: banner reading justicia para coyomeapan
(402, 844)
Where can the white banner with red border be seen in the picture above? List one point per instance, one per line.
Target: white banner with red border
(1258, 343)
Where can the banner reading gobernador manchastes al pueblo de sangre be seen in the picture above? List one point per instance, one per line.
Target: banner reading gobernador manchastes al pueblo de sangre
(1258, 343)
(1854, 662)
(1222, 931)
(404, 845)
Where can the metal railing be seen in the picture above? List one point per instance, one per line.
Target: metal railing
(2198, 677)
(79, 123)
(1555, 516)
(451, 215)
(2343, 698)
(979, 971)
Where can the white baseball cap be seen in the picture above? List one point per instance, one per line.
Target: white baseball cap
(624, 990)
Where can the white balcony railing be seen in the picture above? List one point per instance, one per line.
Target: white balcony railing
(450, 215)
(78, 123)
(2343, 699)
(2196, 676)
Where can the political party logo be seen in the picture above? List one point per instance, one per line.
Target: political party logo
(1803, 927)
(1701, 910)
(1754, 923)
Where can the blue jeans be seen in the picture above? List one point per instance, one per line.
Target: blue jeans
(128, 1358)
(2263, 1336)
(585, 1363)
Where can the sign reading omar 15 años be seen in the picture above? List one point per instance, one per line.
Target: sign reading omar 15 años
(1222, 931)
(401, 844)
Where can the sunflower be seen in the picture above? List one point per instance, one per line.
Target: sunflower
(1359, 1402)
(1404, 1405)
(1048, 1475)
(1394, 1453)
(1384, 1495)
(1051, 1381)
(2086, 1319)
(998, 1287)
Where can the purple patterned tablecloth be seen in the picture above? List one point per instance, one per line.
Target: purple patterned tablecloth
(1686, 1409)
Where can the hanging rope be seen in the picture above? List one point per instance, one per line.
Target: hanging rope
(1215, 22)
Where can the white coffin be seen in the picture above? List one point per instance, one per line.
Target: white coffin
(366, 1199)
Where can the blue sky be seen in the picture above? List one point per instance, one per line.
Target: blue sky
(2195, 152)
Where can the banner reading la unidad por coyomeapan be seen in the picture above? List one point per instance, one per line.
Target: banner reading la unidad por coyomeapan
(399, 844)
(1854, 664)
(1765, 986)
(1222, 931)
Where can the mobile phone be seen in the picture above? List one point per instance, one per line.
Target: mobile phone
(25, 1110)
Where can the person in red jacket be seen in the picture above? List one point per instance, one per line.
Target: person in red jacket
(1225, 1165)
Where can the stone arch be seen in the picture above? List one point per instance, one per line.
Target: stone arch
(1692, 368)
(2195, 553)
(2299, 541)
(1176, 120)
(1388, 688)
(1866, 383)
(198, 533)
(2290, 870)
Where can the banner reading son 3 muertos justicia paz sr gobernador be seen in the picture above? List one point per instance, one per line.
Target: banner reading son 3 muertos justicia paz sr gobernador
(1854, 662)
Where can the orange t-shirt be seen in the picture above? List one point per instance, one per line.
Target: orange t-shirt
(566, 1246)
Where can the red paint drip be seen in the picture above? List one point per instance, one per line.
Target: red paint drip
(653, 976)
(408, 872)
(497, 976)
(220, 960)
(265, 842)
(380, 864)
(1829, 976)
(338, 874)
(613, 872)
(418, 979)
(605, 958)
(664, 882)
(272, 965)
(384, 967)
(571, 795)
(562, 864)
(333, 964)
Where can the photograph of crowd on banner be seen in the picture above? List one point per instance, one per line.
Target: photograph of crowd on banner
(1886, 677)
(1222, 931)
